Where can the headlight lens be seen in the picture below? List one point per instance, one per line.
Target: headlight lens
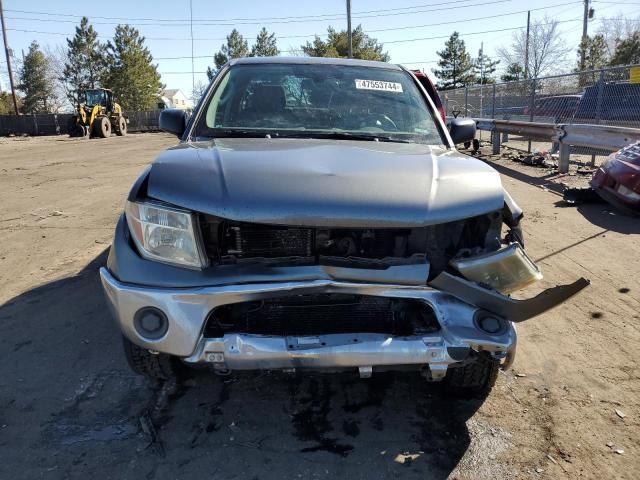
(165, 234)
(505, 270)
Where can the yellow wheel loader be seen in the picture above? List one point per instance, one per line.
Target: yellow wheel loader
(98, 116)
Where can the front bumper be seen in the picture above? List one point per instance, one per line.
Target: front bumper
(187, 310)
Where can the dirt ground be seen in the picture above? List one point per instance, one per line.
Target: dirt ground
(70, 407)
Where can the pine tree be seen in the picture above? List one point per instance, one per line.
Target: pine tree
(456, 68)
(337, 45)
(131, 75)
(595, 53)
(266, 45)
(627, 51)
(86, 62)
(592, 55)
(236, 47)
(36, 82)
(484, 68)
(514, 73)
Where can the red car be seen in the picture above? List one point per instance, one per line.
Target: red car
(431, 91)
(618, 179)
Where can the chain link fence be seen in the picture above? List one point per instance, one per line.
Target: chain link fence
(56, 124)
(603, 97)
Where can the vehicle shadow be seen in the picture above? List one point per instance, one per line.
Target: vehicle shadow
(67, 395)
(524, 178)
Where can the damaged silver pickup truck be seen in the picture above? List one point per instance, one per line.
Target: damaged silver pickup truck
(316, 215)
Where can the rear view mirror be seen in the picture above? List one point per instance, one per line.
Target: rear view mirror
(173, 121)
(462, 130)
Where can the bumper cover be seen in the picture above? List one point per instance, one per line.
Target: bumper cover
(187, 310)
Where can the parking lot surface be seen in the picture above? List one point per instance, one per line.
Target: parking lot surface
(71, 408)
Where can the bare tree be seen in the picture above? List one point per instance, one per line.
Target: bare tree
(547, 48)
(198, 91)
(57, 56)
(615, 29)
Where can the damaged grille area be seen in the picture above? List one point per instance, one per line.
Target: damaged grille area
(235, 242)
(249, 240)
(323, 314)
(227, 242)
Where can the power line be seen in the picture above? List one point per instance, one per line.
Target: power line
(381, 41)
(261, 19)
(408, 27)
(296, 20)
(473, 33)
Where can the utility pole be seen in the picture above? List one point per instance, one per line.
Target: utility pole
(6, 51)
(349, 29)
(526, 47)
(481, 59)
(193, 75)
(585, 20)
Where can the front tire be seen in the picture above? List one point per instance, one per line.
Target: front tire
(102, 127)
(155, 366)
(474, 379)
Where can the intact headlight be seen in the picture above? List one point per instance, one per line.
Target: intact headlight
(165, 234)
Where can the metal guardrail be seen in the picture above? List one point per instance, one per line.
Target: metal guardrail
(602, 137)
(605, 96)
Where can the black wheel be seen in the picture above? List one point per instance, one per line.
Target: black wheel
(473, 379)
(121, 126)
(467, 145)
(101, 127)
(156, 366)
(476, 144)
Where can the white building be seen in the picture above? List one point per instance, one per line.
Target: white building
(174, 98)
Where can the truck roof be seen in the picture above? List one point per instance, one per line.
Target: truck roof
(313, 61)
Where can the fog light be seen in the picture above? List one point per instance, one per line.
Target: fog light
(489, 323)
(151, 323)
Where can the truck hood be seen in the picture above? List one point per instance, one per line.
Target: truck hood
(315, 182)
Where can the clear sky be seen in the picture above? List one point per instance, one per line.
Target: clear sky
(411, 30)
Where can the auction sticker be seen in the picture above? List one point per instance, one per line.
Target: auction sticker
(380, 85)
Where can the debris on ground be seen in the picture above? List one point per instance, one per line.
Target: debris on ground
(619, 451)
(585, 170)
(406, 457)
(534, 159)
(578, 196)
(620, 413)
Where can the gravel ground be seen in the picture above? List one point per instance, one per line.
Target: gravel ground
(70, 408)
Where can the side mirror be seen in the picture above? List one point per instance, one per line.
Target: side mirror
(462, 130)
(173, 121)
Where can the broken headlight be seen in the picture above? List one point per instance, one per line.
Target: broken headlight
(165, 234)
(504, 270)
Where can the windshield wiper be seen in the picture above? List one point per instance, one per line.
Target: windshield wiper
(238, 133)
(335, 135)
(341, 136)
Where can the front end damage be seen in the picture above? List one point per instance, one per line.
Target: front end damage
(428, 298)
